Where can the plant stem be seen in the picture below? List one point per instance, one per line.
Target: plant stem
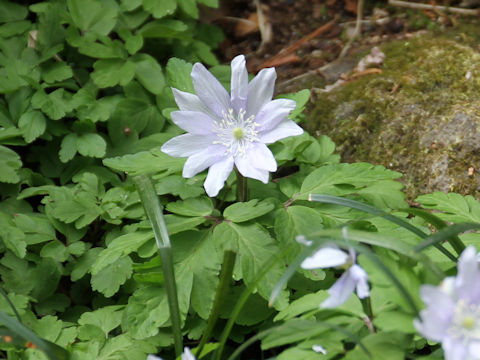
(242, 189)
(154, 212)
(223, 284)
(367, 307)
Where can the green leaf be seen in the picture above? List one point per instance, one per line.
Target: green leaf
(32, 124)
(342, 179)
(93, 16)
(109, 279)
(84, 263)
(12, 237)
(10, 11)
(179, 186)
(107, 318)
(255, 247)
(55, 250)
(166, 28)
(454, 207)
(191, 207)
(244, 211)
(176, 224)
(36, 227)
(55, 104)
(68, 148)
(189, 7)
(149, 72)
(10, 163)
(14, 28)
(296, 220)
(92, 145)
(56, 72)
(178, 75)
(301, 98)
(120, 247)
(160, 9)
(111, 72)
(385, 346)
(145, 162)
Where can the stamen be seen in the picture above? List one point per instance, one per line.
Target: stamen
(236, 132)
(466, 322)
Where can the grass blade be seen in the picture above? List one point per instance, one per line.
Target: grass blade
(375, 211)
(446, 233)
(154, 213)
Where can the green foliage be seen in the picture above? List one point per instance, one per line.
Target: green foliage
(85, 104)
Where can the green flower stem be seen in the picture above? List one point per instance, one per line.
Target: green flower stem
(242, 189)
(224, 283)
(154, 212)
(367, 307)
(226, 272)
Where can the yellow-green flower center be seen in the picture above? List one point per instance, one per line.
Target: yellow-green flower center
(237, 133)
(468, 322)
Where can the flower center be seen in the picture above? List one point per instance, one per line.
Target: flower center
(466, 322)
(236, 132)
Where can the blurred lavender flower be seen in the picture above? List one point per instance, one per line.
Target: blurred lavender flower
(225, 130)
(187, 355)
(353, 278)
(452, 316)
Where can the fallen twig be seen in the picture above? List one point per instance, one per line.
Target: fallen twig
(407, 4)
(298, 44)
(358, 28)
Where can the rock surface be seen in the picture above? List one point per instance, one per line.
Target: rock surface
(420, 116)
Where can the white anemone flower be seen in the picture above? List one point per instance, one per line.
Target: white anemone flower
(225, 130)
(354, 278)
(187, 355)
(452, 316)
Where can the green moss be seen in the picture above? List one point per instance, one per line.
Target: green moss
(420, 116)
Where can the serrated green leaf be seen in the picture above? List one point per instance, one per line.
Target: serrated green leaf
(107, 318)
(342, 179)
(111, 72)
(149, 72)
(120, 247)
(191, 207)
(160, 9)
(32, 124)
(56, 72)
(55, 250)
(454, 207)
(56, 104)
(244, 211)
(36, 227)
(255, 247)
(146, 162)
(14, 28)
(178, 74)
(84, 263)
(301, 98)
(10, 163)
(176, 224)
(92, 16)
(110, 278)
(92, 145)
(296, 220)
(179, 186)
(68, 148)
(12, 237)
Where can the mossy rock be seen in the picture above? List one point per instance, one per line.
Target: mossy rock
(420, 116)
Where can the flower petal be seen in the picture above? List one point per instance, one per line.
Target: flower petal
(260, 90)
(190, 102)
(209, 90)
(187, 354)
(202, 160)
(361, 279)
(261, 156)
(284, 129)
(186, 145)
(340, 291)
(217, 174)
(468, 275)
(325, 257)
(239, 83)
(273, 113)
(455, 349)
(194, 122)
(245, 165)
